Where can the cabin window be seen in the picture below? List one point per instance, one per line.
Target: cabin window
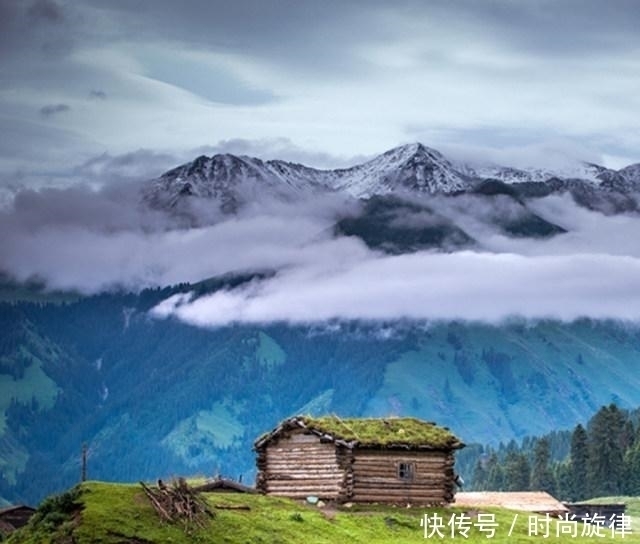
(406, 471)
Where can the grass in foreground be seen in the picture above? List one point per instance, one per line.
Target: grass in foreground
(101, 513)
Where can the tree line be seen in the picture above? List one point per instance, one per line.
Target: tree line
(601, 459)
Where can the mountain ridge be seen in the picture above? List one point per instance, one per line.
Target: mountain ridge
(411, 169)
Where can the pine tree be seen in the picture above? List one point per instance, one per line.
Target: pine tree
(564, 481)
(605, 460)
(627, 436)
(517, 472)
(631, 471)
(541, 475)
(495, 474)
(479, 476)
(578, 464)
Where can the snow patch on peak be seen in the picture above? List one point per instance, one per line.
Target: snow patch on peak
(231, 180)
(631, 173)
(412, 167)
(583, 171)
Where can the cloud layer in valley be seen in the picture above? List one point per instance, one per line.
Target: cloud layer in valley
(590, 271)
(465, 285)
(95, 240)
(91, 240)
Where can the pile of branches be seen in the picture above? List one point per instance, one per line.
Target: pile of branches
(179, 503)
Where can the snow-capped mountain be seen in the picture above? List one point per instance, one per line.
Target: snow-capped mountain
(413, 168)
(584, 171)
(408, 168)
(631, 174)
(230, 180)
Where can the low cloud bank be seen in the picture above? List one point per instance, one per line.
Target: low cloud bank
(465, 285)
(95, 240)
(92, 241)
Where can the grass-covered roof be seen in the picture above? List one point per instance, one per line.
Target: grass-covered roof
(373, 432)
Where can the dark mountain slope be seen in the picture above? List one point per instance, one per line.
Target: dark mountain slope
(158, 397)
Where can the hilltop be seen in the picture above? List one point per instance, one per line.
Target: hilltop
(117, 513)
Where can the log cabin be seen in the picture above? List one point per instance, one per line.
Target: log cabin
(14, 517)
(366, 460)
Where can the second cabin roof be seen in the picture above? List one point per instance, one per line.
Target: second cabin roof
(406, 432)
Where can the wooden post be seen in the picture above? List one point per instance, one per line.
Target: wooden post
(83, 474)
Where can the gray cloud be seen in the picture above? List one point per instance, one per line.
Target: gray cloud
(97, 94)
(88, 240)
(45, 10)
(53, 109)
(312, 36)
(283, 149)
(33, 31)
(470, 286)
(104, 169)
(94, 240)
(308, 37)
(299, 64)
(142, 164)
(328, 80)
(591, 271)
(214, 82)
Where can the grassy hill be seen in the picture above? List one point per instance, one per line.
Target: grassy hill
(98, 512)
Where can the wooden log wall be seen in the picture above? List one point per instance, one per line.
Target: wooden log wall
(298, 466)
(376, 479)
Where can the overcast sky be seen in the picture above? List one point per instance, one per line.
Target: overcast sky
(96, 96)
(127, 88)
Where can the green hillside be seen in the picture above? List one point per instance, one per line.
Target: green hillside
(506, 382)
(115, 514)
(153, 398)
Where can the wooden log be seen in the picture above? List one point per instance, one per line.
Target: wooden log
(302, 448)
(417, 478)
(309, 459)
(394, 497)
(393, 469)
(307, 490)
(300, 465)
(423, 454)
(307, 481)
(157, 505)
(333, 477)
(400, 455)
(326, 471)
(334, 473)
(395, 482)
(358, 486)
(394, 490)
(435, 464)
(272, 484)
(398, 491)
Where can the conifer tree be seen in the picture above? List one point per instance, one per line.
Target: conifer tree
(564, 481)
(479, 476)
(631, 471)
(541, 475)
(517, 472)
(578, 464)
(605, 455)
(495, 474)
